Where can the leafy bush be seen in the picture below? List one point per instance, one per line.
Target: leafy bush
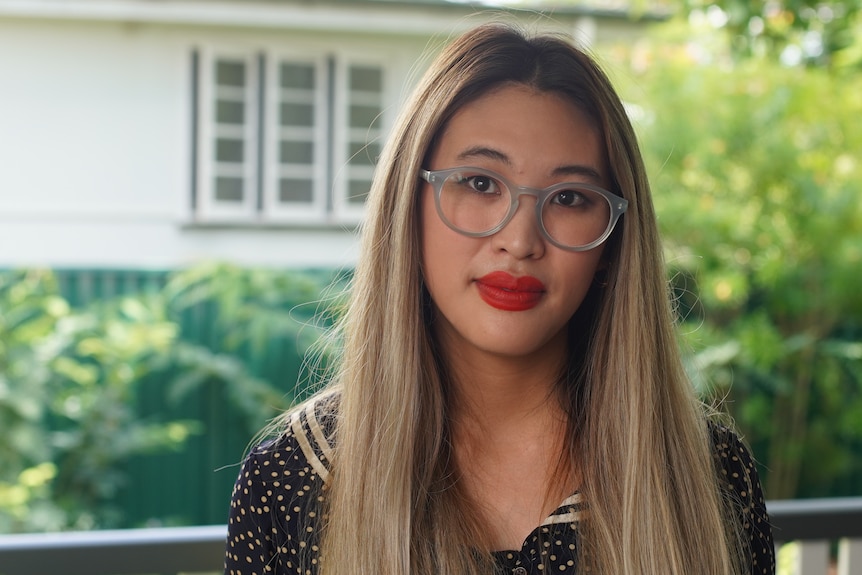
(757, 178)
(254, 316)
(66, 383)
(71, 378)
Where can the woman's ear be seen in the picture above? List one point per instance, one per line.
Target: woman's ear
(600, 277)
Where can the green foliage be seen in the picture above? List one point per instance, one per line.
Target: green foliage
(255, 313)
(818, 32)
(757, 178)
(66, 383)
(71, 378)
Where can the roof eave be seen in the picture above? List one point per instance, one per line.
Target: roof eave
(370, 16)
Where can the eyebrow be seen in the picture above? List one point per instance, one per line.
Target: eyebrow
(565, 170)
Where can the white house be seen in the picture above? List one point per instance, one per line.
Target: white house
(149, 134)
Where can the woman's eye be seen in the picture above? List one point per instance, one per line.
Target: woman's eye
(569, 198)
(482, 184)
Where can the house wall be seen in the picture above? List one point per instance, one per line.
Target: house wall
(96, 130)
(95, 149)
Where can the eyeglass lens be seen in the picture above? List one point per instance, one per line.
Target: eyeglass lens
(477, 203)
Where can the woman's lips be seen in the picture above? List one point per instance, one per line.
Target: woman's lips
(509, 293)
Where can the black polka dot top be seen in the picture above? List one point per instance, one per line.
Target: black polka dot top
(277, 500)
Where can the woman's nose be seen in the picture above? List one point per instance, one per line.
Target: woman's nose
(521, 236)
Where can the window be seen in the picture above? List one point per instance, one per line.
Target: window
(297, 178)
(287, 137)
(363, 135)
(228, 115)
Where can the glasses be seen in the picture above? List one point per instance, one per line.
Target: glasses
(479, 203)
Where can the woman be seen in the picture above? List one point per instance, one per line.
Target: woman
(509, 396)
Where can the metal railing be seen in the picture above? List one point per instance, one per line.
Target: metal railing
(163, 550)
(813, 524)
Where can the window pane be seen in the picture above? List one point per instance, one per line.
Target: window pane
(363, 116)
(228, 112)
(297, 114)
(297, 76)
(228, 189)
(364, 155)
(295, 190)
(230, 73)
(357, 191)
(296, 152)
(366, 79)
(229, 150)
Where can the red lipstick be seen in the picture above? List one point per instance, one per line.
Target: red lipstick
(508, 293)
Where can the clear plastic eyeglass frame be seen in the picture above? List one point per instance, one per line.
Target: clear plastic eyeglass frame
(617, 204)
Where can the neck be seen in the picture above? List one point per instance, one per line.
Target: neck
(492, 392)
(509, 436)
(509, 442)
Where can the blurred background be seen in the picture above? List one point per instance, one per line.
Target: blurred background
(181, 184)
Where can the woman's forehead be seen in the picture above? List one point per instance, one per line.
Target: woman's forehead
(518, 127)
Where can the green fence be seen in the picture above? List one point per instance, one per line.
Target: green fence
(191, 486)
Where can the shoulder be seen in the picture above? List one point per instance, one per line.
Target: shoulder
(278, 495)
(295, 462)
(733, 459)
(308, 437)
(740, 485)
(736, 468)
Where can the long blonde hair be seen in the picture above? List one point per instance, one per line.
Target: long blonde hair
(393, 505)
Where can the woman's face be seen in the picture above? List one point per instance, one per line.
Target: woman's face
(511, 293)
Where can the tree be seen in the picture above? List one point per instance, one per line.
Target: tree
(810, 32)
(757, 180)
(818, 32)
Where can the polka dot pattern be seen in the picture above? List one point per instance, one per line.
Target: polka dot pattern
(550, 548)
(742, 487)
(275, 508)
